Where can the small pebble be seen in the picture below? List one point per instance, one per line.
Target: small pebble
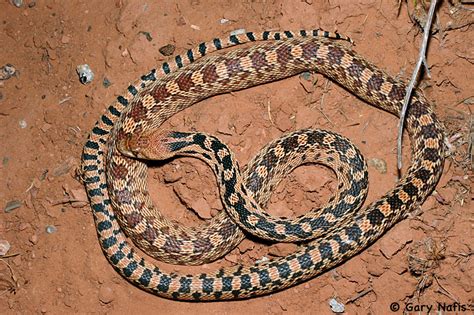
(4, 247)
(65, 39)
(147, 35)
(379, 164)
(23, 226)
(50, 229)
(7, 71)
(306, 76)
(85, 73)
(106, 294)
(239, 31)
(22, 124)
(262, 260)
(106, 83)
(17, 3)
(224, 21)
(12, 205)
(167, 50)
(336, 307)
(34, 239)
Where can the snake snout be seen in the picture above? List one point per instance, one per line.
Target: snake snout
(149, 146)
(132, 146)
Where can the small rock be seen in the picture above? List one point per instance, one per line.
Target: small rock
(4, 247)
(68, 301)
(85, 73)
(307, 84)
(65, 39)
(245, 246)
(181, 21)
(202, 208)
(23, 226)
(34, 239)
(79, 195)
(379, 164)
(172, 176)
(336, 307)
(7, 71)
(184, 195)
(375, 269)
(239, 31)
(12, 205)
(147, 35)
(106, 294)
(233, 258)
(262, 260)
(50, 229)
(23, 124)
(223, 21)
(167, 50)
(306, 76)
(106, 83)
(125, 53)
(17, 3)
(46, 127)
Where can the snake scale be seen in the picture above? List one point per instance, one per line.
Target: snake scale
(278, 56)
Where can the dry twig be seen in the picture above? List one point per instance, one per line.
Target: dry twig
(406, 101)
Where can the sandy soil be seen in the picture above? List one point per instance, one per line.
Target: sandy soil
(55, 264)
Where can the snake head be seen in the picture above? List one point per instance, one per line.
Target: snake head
(148, 146)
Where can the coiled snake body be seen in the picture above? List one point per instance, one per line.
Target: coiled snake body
(163, 92)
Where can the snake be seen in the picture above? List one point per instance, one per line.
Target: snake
(274, 56)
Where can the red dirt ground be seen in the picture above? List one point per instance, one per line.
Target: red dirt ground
(46, 115)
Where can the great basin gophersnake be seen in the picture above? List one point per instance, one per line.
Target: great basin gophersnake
(189, 79)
